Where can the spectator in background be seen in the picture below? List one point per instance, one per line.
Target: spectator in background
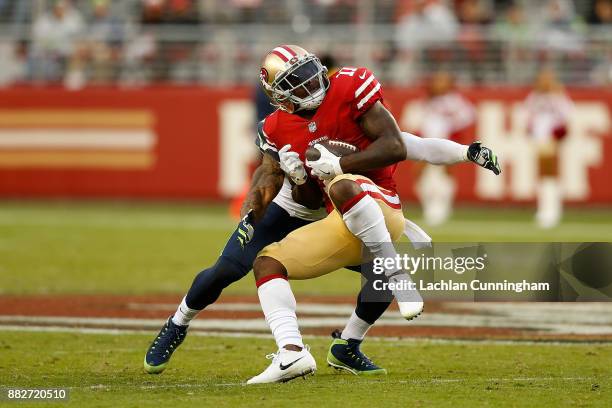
(384, 12)
(333, 11)
(513, 26)
(421, 24)
(548, 114)
(5, 10)
(600, 16)
(601, 12)
(55, 36)
(138, 52)
(473, 14)
(104, 36)
(247, 11)
(446, 115)
(170, 11)
(560, 31)
(182, 12)
(152, 11)
(173, 58)
(15, 11)
(515, 33)
(426, 22)
(11, 62)
(242, 11)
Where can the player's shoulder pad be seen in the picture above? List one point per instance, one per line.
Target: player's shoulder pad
(366, 88)
(362, 87)
(263, 142)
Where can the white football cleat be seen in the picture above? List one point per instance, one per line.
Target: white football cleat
(410, 310)
(409, 300)
(286, 365)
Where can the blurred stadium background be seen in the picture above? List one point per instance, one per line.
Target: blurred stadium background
(126, 133)
(151, 98)
(220, 43)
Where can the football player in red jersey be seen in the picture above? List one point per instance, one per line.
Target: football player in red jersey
(364, 208)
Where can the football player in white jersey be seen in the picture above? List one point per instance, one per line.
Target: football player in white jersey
(548, 111)
(446, 115)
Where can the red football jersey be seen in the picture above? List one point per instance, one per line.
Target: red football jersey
(352, 91)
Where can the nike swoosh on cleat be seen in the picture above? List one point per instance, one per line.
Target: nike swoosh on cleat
(284, 367)
(362, 76)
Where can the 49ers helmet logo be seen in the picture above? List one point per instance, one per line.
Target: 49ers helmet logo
(263, 74)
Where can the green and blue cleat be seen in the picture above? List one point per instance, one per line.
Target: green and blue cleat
(167, 341)
(346, 355)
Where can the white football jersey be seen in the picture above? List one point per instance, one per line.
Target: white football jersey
(285, 200)
(445, 115)
(547, 112)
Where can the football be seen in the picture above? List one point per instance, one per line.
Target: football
(337, 147)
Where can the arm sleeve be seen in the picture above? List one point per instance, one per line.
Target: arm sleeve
(434, 151)
(365, 92)
(263, 142)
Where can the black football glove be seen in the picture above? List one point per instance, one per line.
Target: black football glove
(246, 229)
(484, 157)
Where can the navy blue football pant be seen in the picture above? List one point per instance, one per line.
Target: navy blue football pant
(235, 262)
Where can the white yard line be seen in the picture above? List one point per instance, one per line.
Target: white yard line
(551, 321)
(398, 341)
(419, 381)
(541, 312)
(325, 309)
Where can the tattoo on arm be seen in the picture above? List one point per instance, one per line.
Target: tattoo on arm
(266, 182)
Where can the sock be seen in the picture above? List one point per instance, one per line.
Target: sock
(355, 328)
(366, 221)
(184, 315)
(436, 191)
(372, 303)
(278, 305)
(549, 202)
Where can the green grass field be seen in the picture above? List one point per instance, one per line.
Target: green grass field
(117, 248)
(104, 370)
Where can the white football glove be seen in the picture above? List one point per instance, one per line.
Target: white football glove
(328, 165)
(292, 165)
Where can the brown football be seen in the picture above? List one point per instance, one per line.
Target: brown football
(337, 147)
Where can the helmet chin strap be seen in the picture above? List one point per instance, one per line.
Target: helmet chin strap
(301, 108)
(304, 110)
(318, 99)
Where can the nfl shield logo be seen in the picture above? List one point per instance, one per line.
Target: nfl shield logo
(312, 126)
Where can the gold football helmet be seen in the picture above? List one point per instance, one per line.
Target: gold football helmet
(293, 78)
